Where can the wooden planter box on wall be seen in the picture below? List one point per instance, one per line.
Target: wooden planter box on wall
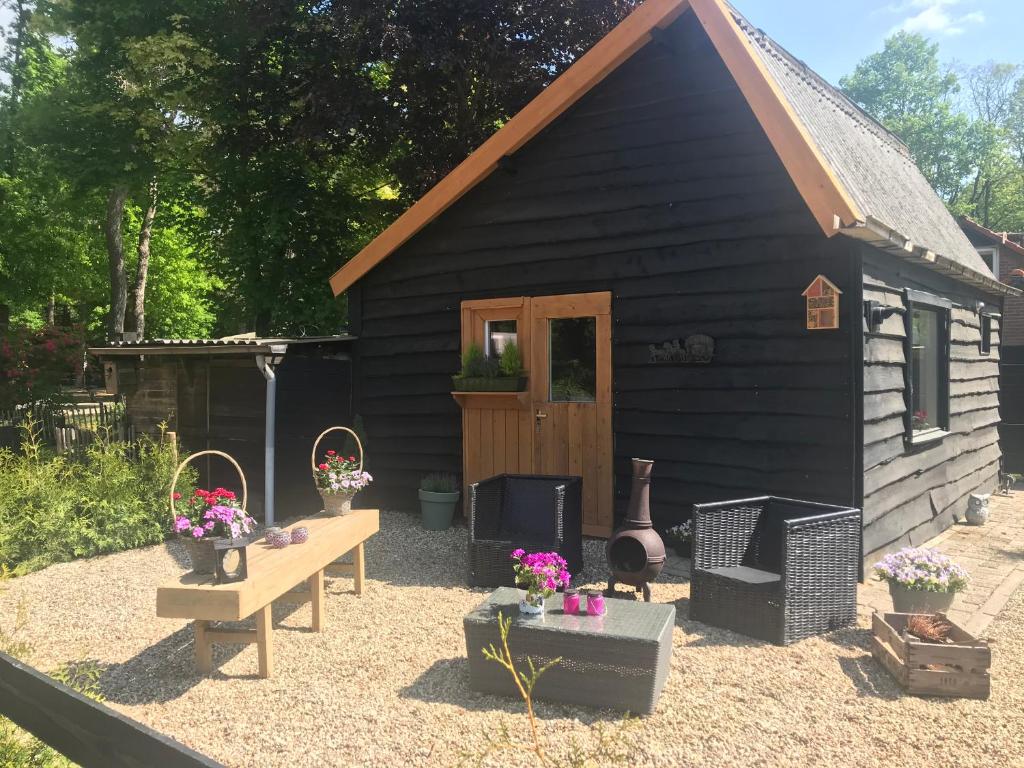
(932, 669)
(489, 383)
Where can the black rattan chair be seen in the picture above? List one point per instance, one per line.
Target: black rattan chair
(776, 569)
(540, 513)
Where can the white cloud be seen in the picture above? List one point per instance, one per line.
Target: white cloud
(934, 17)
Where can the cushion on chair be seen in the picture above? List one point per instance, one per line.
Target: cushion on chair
(528, 508)
(751, 576)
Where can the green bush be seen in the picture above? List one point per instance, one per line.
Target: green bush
(511, 360)
(54, 509)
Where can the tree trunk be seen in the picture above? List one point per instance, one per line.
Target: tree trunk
(51, 310)
(115, 258)
(145, 235)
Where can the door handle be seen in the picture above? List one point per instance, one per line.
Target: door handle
(540, 415)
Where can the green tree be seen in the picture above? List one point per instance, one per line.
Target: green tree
(906, 88)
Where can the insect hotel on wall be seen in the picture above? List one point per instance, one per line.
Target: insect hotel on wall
(822, 304)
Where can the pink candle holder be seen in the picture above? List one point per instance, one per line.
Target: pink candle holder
(595, 603)
(571, 601)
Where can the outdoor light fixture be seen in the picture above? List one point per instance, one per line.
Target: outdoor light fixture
(875, 313)
(232, 563)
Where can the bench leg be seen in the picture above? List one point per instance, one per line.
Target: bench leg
(265, 640)
(204, 649)
(316, 594)
(359, 567)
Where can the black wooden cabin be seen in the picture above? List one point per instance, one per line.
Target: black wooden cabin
(679, 187)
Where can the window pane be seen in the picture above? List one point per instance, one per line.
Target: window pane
(927, 365)
(499, 333)
(573, 351)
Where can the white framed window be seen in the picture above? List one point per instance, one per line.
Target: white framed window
(991, 258)
(927, 361)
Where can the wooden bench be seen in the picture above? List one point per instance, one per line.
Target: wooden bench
(272, 574)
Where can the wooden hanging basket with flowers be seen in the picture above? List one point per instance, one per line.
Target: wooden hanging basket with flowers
(338, 478)
(209, 515)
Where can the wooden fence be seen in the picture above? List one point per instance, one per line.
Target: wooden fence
(68, 428)
(83, 730)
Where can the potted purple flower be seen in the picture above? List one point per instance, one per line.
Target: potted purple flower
(338, 479)
(540, 574)
(208, 516)
(921, 580)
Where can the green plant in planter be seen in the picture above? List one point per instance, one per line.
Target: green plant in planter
(483, 374)
(511, 360)
(439, 493)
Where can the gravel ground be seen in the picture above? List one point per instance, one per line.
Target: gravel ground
(386, 683)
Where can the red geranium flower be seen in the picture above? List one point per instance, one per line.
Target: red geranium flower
(323, 466)
(175, 495)
(330, 453)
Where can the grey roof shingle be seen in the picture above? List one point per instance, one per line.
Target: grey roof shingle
(872, 164)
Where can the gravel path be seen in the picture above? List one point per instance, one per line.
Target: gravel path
(386, 683)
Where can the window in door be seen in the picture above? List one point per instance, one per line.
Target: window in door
(497, 334)
(573, 359)
(928, 371)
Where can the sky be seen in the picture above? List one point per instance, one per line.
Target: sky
(831, 36)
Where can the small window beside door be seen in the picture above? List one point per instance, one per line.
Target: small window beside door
(927, 368)
(572, 345)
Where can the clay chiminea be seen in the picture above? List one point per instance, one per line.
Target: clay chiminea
(636, 553)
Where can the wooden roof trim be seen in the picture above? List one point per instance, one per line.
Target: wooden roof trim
(614, 48)
(824, 194)
(999, 238)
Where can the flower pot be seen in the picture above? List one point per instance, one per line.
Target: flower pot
(532, 605)
(437, 509)
(337, 504)
(918, 600)
(202, 554)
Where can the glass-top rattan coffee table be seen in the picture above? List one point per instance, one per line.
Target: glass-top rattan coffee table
(619, 660)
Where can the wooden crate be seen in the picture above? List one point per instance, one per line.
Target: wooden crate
(930, 669)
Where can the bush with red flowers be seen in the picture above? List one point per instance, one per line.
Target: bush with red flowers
(33, 363)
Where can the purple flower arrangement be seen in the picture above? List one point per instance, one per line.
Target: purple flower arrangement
(921, 569)
(337, 474)
(540, 573)
(213, 514)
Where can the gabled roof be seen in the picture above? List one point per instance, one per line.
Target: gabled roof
(855, 177)
(996, 238)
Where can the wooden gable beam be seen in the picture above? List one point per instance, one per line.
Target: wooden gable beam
(831, 205)
(614, 48)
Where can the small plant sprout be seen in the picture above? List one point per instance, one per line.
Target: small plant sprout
(524, 682)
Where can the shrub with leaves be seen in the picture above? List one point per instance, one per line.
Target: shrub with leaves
(53, 508)
(511, 360)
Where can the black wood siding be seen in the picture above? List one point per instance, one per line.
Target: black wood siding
(660, 186)
(911, 495)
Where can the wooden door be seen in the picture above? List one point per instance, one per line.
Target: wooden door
(562, 424)
(571, 397)
(497, 428)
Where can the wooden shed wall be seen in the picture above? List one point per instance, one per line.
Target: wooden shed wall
(660, 186)
(912, 494)
(220, 403)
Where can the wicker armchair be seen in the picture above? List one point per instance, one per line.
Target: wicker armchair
(535, 512)
(776, 569)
